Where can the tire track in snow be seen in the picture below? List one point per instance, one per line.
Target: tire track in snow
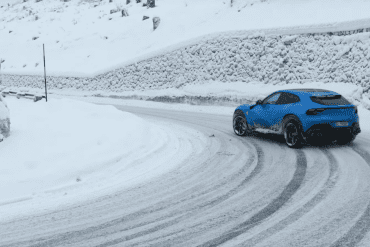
(271, 208)
(167, 224)
(204, 206)
(358, 231)
(168, 211)
(296, 215)
(162, 206)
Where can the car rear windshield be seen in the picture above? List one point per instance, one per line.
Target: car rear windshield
(330, 100)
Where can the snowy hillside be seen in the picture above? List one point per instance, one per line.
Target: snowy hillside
(83, 38)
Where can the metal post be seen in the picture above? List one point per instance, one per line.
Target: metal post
(1, 75)
(46, 91)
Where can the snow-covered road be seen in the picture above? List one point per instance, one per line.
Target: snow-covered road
(235, 191)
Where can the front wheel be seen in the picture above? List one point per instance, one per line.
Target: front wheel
(292, 134)
(240, 125)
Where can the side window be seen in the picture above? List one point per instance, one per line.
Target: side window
(288, 98)
(272, 99)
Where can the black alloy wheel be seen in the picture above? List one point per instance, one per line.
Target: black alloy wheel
(292, 135)
(240, 125)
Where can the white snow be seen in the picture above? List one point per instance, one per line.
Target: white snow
(68, 149)
(81, 39)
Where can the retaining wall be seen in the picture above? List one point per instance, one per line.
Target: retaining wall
(326, 57)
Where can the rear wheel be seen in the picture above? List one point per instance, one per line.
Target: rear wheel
(346, 138)
(292, 134)
(240, 125)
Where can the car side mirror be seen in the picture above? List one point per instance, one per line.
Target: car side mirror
(259, 102)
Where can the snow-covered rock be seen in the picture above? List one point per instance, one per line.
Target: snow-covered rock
(4, 119)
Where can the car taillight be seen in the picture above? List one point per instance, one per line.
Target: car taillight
(314, 111)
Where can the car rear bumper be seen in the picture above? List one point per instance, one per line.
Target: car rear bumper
(328, 130)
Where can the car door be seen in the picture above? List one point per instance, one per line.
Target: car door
(280, 108)
(262, 116)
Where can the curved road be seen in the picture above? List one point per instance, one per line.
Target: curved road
(238, 191)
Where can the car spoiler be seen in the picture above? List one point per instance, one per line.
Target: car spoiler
(329, 96)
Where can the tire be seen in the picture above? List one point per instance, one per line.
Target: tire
(240, 125)
(346, 139)
(293, 134)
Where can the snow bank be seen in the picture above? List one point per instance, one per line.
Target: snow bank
(64, 143)
(65, 151)
(4, 119)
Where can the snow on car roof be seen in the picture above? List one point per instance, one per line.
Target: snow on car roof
(309, 90)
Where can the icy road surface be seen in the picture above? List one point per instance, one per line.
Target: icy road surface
(235, 191)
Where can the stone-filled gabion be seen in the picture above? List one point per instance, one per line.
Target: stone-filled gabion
(326, 57)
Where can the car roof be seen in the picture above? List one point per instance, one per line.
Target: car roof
(309, 91)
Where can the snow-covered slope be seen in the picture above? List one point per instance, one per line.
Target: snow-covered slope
(84, 38)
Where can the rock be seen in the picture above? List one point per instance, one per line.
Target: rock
(4, 119)
(145, 17)
(124, 12)
(138, 1)
(156, 21)
(128, 2)
(113, 11)
(150, 3)
(34, 38)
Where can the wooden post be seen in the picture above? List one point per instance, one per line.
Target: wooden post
(46, 91)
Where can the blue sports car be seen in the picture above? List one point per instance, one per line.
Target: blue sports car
(301, 115)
